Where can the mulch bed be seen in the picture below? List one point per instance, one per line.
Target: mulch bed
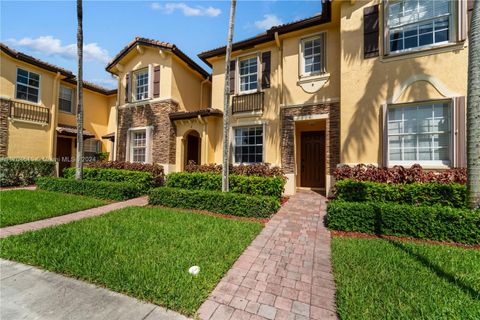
(373, 236)
(218, 215)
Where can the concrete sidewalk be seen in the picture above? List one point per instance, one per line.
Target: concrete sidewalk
(30, 293)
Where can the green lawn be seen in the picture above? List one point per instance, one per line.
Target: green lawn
(384, 279)
(143, 252)
(21, 206)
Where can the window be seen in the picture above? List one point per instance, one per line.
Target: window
(138, 149)
(141, 85)
(313, 53)
(249, 144)
(418, 23)
(248, 74)
(65, 99)
(28, 85)
(91, 147)
(419, 134)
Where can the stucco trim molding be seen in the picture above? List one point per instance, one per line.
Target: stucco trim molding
(324, 101)
(311, 117)
(147, 102)
(313, 84)
(437, 84)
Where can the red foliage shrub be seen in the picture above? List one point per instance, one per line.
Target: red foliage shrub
(155, 169)
(399, 174)
(258, 169)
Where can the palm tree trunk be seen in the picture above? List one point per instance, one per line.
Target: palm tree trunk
(473, 110)
(79, 157)
(226, 101)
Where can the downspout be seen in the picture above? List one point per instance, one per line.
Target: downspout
(54, 116)
(117, 105)
(201, 91)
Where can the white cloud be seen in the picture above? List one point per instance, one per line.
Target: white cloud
(269, 20)
(186, 9)
(51, 46)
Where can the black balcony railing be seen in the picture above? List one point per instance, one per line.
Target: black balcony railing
(247, 102)
(29, 112)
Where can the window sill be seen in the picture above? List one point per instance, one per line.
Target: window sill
(423, 51)
(313, 83)
(428, 166)
(67, 112)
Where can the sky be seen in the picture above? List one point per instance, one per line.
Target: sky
(47, 29)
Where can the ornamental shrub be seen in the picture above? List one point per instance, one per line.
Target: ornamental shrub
(257, 169)
(155, 169)
(215, 201)
(96, 189)
(452, 195)
(21, 172)
(251, 185)
(139, 178)
(435, 222)
(399, 174)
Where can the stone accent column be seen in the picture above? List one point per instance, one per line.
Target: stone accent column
(4, 113)
(155, 115)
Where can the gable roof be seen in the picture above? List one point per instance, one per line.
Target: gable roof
(157, 44)
(269, 35)
(69, 75)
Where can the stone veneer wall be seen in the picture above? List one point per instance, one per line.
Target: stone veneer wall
(156, 115)
(4, 112)
(332, 143)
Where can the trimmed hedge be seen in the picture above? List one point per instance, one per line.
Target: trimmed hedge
(251, 185)
(429, 194)
(254, 169)
(96, 189)
(155, 169)
(215, 201)
(436, 223)
(18, 172)
(141, 179)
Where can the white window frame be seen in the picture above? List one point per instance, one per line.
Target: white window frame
(238, 76)
(323, 61)
(425, 163)
(451, 31)
(148, 143)
(71, 101)
(39, 100)
(243, 126)
(135, 86)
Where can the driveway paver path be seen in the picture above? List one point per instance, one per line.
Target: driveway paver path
(285, 273)
(40, 224)
(30, 293)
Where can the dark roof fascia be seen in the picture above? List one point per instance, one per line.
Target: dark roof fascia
(34, 61)
(156, 44)
(194, 114)
(269, 35)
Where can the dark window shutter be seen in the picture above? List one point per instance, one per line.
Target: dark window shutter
(266, 66)
(232, 77)
(127, 87)
(370, 32)
(156, 81)
(469, 12)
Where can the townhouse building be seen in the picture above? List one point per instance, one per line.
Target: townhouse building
(374, 82)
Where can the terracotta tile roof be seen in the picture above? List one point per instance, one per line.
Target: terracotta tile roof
(194, 114)
(72, 131)
(159, 44)
(269, 35)
(69, 76)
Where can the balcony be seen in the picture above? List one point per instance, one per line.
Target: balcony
(29, 112)
(251, 102)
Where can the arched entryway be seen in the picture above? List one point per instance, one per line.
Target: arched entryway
(192, 147)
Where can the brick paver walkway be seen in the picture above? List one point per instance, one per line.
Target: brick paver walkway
(286, 271)
(40, 224)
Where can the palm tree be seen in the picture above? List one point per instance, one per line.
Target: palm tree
(79, 157)
(473, 110)
(226, 101)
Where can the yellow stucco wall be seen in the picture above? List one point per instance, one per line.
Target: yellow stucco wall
(367, 84)
(33, 140)
(177, 81)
